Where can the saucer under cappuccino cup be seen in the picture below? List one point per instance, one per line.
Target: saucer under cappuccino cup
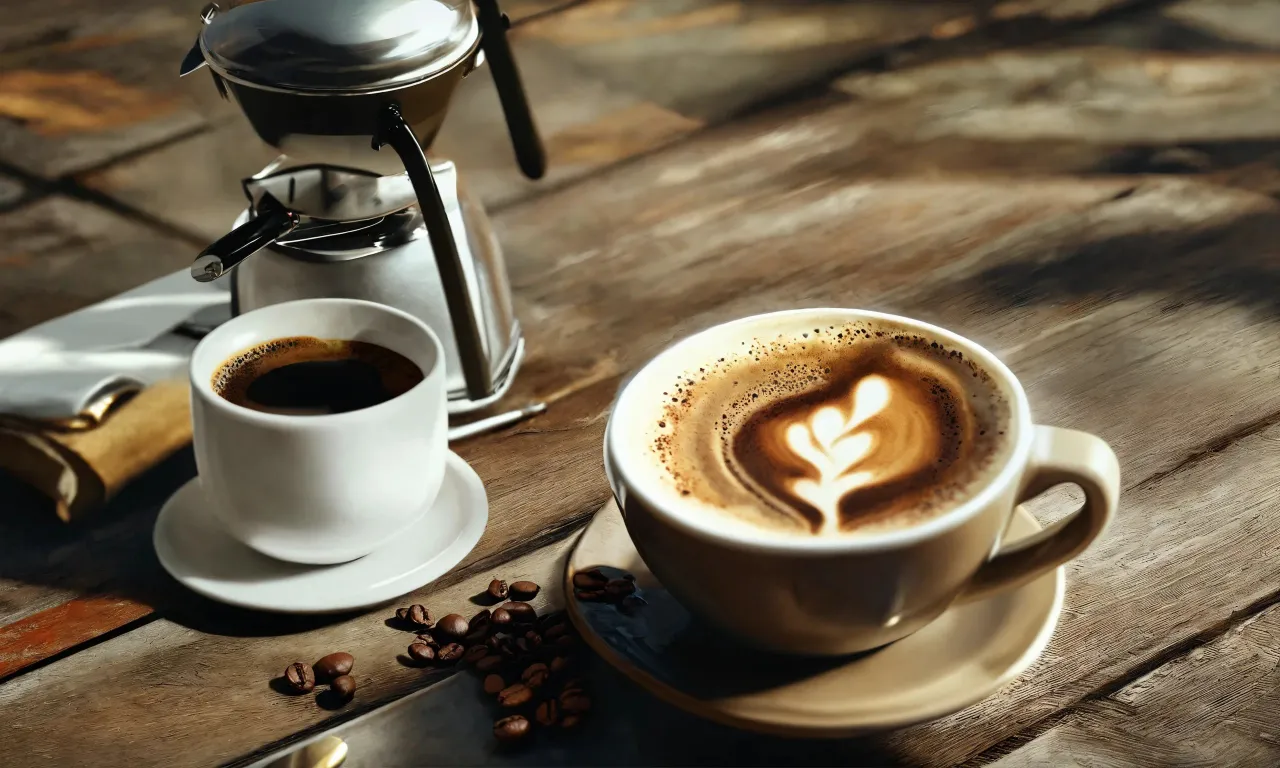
(826, 481)
(348, 446)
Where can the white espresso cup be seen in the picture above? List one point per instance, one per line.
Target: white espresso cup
(328, 488)
(830, 595)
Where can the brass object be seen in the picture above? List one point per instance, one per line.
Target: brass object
(328, 752)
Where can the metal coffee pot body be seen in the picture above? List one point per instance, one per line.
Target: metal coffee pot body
(334, 82)
(387, 259)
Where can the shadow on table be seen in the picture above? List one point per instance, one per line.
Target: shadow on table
(111, 554)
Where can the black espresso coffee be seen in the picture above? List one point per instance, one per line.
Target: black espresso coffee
(831, 431)
(304, 375)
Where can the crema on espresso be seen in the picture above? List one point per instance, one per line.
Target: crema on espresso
(830, 431)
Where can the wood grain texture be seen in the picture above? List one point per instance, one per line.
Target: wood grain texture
(709, 59)
(979, 233)
(58, 254)
(237, 672)
(81, 84)
(1215, 705)
(50, 632)
(1140, 308)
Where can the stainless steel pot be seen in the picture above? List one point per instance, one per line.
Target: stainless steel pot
(336, 80)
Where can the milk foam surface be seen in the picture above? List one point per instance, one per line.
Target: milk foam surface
(837, 430)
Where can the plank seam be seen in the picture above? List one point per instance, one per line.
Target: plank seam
(1168, 655)
(1212, 448)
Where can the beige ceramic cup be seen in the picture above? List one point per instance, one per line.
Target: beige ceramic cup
(837, 595)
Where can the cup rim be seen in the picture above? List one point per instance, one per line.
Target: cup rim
(201, 384)
(623, 481)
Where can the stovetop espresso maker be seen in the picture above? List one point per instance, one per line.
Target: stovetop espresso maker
(335, 84)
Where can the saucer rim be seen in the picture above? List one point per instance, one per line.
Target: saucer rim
(708, 709)
(472, 530)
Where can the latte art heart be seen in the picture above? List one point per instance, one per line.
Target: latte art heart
(838, 431)
(868, 438)
(871, 443)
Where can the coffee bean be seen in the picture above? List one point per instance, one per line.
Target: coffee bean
(498, 589)
(589, 595)
(485, 615)
(549, 620)
(536, 675)
(343, 687)
(559, 664)
(508, 648)
(576, 701)
(570, 721)
(592, 579)
(566, 642)
(490, 663)
(573, 684)
(515, 695)
(300, 677)
(501, 617)
(419, 616)
(334, 665)
(429, 639)
(450, 653)
(551, 633)
(548, 712)
(453, 626)
(493, 684)
(619, 588)
(524, 590)
(474, 654)
(533, 638)
(511, 728)
(422, 653)
(521, 613)
(402, 614)
(478, 634)
(494, 642)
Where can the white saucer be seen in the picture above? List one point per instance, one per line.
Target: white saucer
(196, 551)
(962, 657)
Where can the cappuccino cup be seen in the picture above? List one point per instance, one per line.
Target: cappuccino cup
(320, 488)
(827, 481)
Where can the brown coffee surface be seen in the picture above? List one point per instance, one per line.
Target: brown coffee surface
(305, 375)
(832, 431)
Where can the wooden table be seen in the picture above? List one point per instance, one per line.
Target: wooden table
(1086, 186)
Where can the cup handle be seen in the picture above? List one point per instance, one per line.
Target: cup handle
(1057, 456)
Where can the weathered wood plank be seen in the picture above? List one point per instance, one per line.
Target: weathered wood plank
(81, 84)
(1248, 22)
(808, 215)
(528, 499)
(57, 255)
(710, 58)
(239, 681)
(1156, 92)
(50, 632)
(1215, 705)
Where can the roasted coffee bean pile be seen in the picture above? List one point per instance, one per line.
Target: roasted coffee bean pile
(334, 669)
(525, 661)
